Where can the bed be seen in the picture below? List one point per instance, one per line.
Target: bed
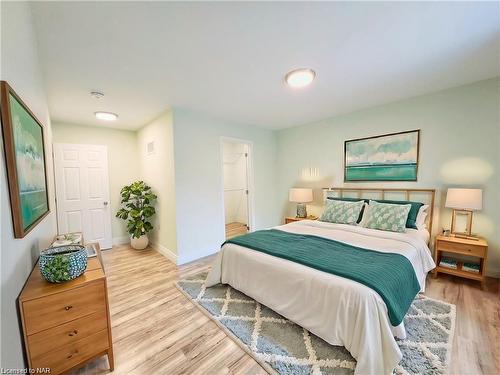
(339, 310)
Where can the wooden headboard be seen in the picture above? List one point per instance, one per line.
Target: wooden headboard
(426, 196)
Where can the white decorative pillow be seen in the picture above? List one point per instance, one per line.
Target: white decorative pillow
(385, 216)
(421, 216)
(342, 212)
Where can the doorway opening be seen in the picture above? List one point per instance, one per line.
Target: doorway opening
(236, 167)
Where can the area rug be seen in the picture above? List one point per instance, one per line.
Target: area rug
(282, 347)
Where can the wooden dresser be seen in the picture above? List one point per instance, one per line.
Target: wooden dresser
(66, 325)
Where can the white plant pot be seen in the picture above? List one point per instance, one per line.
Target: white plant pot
(139, 243)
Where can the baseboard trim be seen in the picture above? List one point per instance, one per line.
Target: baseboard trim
(187, 258)
(167, 253)
(117, 241)
(493, 272)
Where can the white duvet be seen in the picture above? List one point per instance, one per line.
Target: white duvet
(339, 310)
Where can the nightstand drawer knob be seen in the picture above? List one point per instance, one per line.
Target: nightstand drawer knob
(68, 307)
(72, 354)
(73, 333)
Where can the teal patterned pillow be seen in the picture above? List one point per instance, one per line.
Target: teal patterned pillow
(342, 212)
(385, 216)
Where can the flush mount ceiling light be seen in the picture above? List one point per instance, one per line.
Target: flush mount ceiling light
(300, 77)
(96, 94)
(106, 116)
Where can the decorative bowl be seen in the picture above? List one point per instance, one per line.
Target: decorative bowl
(63, 263)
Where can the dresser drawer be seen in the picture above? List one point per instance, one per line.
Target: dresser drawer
(65, 334)
(461, 248)
(56, 309)
(62, 359)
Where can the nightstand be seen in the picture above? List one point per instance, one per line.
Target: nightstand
(455, 245)
(291, 219)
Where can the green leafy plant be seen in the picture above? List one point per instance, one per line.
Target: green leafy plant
(137, 207)
(58, 269)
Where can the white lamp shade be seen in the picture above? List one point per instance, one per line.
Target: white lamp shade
(300, 195)
(465, 199)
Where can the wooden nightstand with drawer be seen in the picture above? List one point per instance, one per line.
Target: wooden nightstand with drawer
(66, 325)
(461, 246)
(291, 219)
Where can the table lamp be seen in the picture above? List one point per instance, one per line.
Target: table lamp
(464, 202)
(301, 196)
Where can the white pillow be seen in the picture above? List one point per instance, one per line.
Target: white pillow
(421, 216)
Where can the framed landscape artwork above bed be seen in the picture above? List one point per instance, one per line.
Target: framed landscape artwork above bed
(24, 161)
(389, 157)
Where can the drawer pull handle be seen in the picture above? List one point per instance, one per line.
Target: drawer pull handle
(68, 307)
(73, 333)
(70, 355)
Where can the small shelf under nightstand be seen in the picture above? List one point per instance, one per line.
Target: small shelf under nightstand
(291, 219)
(461, 246)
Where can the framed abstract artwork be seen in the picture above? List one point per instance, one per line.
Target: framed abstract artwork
(24, 161)
(389, 157)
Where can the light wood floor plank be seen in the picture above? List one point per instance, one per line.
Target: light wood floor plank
(235, 229)
(156, 330)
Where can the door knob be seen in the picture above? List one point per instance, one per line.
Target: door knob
(105, 203)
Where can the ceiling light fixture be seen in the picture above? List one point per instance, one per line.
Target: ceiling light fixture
(300, 77)
(106, 116)
(96, 94)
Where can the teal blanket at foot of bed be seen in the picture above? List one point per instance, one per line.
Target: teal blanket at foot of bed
(390, 275)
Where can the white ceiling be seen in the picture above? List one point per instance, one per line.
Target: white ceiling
(229, 59)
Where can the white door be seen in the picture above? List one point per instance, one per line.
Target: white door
(82, 191)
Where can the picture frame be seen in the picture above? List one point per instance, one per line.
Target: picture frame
(461, 223)
(25, 162)
(387, 157)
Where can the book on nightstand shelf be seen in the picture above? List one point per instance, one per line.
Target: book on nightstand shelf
(448, 263)
(471, 267)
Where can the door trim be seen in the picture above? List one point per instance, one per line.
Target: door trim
(55, 145)
(250, 181)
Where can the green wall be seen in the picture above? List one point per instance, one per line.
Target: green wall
(459, 147)
(123, 162)
(199, 182)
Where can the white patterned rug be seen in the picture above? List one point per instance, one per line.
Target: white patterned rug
(283, 347)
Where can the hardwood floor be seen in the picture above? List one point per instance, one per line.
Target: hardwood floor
(476, 346)
(156, 330)
(235, 229)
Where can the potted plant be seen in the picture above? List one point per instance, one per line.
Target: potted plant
(137, 207)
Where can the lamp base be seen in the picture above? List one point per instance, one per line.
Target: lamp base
(301, 210)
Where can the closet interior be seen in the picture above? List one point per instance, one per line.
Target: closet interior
(235, 165)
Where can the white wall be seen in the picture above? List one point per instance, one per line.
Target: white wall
(20, 68)
(459, 146)
(123, 161)
(157, 170)
(198, 180)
